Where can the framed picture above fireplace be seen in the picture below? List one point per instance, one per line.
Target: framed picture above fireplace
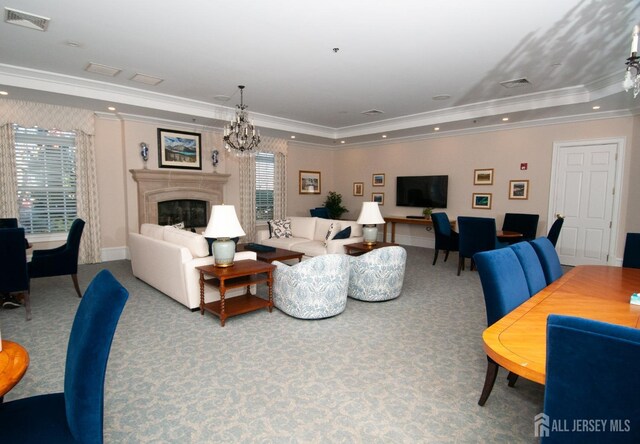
(179, 149)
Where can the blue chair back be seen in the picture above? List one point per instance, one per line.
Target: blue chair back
(446, 238)
(592, 373)
(531, 266)
(87, 354)
(554, 231)
(10, 222)
(476, 234)
(548, 259)
(527, 224)
(14, 275)
(631, 256)
(321, 212)
(503, 282)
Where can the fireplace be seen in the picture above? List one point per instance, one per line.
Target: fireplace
(159, 186)
(192, 213)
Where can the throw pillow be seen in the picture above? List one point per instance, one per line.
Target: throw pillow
(333, 228)
(280, 228)
(344, 234)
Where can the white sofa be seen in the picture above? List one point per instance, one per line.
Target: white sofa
(308, 236)
(166, 258)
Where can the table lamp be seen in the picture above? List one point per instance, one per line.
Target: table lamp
(223, 225)
(369, 217)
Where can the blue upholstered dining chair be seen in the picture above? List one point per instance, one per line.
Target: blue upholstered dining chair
(476, 234)
(312, 289)
(631, 258)
(505, 287)
(377, 275)
(77, 414)
(321, 212)
(548, 259)
(554, 231)
(592, 373)
(527, 224)
(446, 238)
(8, 222)
(531, 266)
(14, 277)
(62, 260)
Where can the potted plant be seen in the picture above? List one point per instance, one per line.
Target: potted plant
(333, 203)
(427, 212)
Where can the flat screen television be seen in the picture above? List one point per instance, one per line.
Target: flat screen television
(422, 191)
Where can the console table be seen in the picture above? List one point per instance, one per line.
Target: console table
(393, 220)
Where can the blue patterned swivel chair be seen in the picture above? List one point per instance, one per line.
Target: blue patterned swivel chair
(505, 287)
(548, 259)
(77, 414)
(377, 275)
(312, 289)
(592, 373)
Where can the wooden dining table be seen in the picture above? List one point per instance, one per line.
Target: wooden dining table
(518, 341)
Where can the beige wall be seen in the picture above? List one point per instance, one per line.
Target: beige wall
(117, 147)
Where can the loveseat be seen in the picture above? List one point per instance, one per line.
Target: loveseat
(311, 236)
(166, 258)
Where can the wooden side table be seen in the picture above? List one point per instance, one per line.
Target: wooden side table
(244, 273)
(361, 247)
(14, 361)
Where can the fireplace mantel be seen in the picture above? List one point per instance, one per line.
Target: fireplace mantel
(161, 185)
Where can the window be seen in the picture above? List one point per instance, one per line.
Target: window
(46, 175)
(265, 173)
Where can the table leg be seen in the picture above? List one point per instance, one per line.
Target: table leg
(202, 293)
(270, 285)
(223, 314)
(393, 232)
(384, 232)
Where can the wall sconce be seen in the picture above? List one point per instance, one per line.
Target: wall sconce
(144, 153)
(214, 158)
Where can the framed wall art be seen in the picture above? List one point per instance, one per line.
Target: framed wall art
(358, 188)
(519, 189)
(483, 177)
(310, 182)
(377, 180)
(481, 201)
(179, 149)
(378, 197)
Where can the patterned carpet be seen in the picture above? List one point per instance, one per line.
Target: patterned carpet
(409, 370)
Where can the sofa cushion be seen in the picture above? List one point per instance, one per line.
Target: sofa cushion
(344, 234)
(152, 230)
(196, 243)
(288, 243)
(311, 248)
(322, 228)
(280, 228)
(356, 228)
(305, 227)
(331, 232)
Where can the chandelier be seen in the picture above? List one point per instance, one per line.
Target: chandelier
(240, 136)
(633, 62)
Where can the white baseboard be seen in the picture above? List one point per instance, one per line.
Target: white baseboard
(114, 254)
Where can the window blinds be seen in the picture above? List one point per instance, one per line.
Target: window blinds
(264, 185)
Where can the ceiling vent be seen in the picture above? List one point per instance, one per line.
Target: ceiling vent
(147, 80)
(26, 19)
(372, 112)
(104, 70)
(515, 83)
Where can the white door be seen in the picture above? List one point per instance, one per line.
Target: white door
(584, 177)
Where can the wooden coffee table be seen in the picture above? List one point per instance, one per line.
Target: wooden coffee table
(244, 273)
(361, 247)
(280, 254)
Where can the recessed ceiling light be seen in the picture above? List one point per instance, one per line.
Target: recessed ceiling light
(342, 141)
(505, 119)
(441, 97)
(437, 128)
(293, 137)
(4, 93)
(384, 136)
(111, 108)
(596, 107)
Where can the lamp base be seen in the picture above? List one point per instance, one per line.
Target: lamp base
(224, 250)
(370, 234)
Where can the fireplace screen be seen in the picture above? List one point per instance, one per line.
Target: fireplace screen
(193, 213)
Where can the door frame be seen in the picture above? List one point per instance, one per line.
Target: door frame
(620, 143)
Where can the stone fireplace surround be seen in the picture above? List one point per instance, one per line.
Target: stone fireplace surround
(161, 185)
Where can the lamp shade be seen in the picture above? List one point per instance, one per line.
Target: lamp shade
(370, 214)
(223, 222)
